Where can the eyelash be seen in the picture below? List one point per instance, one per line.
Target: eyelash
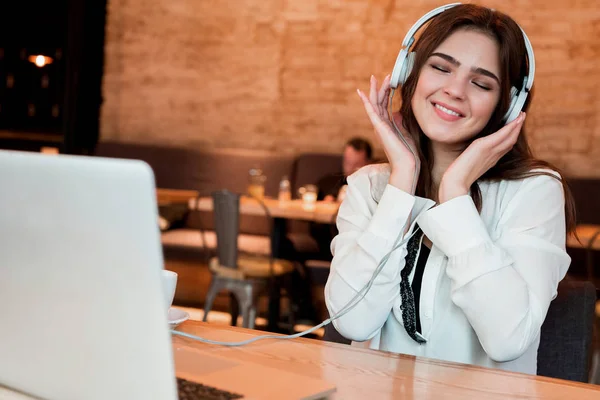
(487, 89)
(437, 67)
(441, 69)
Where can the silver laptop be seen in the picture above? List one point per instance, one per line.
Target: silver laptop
(81, 300)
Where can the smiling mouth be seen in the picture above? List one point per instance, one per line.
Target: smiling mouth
(447, 111)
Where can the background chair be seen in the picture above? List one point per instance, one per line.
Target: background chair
(566, 340)
(245, 277)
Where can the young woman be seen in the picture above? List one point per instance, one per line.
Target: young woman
(485, 222)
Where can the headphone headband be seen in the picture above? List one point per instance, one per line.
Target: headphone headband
(410, 35)
(531, 61)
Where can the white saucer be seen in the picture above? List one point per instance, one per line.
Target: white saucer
(176, 317)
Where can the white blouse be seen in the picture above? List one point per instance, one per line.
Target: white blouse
(488, 281)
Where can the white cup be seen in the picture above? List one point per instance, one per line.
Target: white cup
(169, 279)
(309, 196)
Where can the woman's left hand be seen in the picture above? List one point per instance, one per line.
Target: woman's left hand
(481, 155)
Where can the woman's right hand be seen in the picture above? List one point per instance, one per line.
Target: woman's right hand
(403, 163)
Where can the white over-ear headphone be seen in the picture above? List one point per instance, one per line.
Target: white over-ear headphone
(406, 60)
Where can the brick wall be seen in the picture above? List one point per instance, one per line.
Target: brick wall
(281, 75)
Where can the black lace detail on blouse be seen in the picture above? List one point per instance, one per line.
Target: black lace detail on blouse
(407, 307)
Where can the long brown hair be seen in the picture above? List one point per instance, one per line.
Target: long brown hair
(519, 162)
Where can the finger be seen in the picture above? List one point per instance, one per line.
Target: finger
(384, 131)
(370, 109)
(518, 129)
(383, 91)
(507, 140)
(514, 134)
(373, 91)
(503, 134)
(384, 96)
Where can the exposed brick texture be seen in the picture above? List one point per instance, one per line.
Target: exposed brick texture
(281, 74)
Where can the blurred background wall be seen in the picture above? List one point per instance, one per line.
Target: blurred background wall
(282, 74)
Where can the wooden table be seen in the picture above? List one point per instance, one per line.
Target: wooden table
(368, 374)
(175, 196)
(589, 235)
(323, 212)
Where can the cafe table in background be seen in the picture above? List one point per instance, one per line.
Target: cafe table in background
(281, 211)
(165, 197)
(319, 211)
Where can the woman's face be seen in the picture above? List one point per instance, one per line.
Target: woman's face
(458, 88)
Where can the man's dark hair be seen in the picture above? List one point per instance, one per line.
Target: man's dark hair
(360, 144)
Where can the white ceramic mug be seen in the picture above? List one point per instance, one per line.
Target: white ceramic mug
(169, 279)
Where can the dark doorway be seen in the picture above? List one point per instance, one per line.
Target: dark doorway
(51, 66)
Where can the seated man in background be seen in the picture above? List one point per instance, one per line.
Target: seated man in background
(358, 152)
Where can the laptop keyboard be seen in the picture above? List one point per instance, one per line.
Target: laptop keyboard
(189, 390)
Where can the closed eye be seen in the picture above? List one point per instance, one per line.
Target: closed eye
(439, 68)
(484, 87)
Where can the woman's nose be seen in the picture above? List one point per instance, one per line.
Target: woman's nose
(455, 87)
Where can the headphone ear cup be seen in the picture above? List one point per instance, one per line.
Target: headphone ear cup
(407, 67)
(402, 68)
(397, 71)
(516, 104)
